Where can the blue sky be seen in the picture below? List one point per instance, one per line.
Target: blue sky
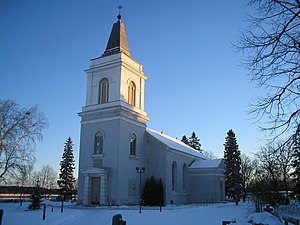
(196, 81)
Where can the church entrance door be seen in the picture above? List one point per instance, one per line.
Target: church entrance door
(95, 192)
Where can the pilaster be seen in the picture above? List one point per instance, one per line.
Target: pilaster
(103, 190)
(86, 189)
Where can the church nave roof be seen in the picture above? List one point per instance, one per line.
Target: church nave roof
(174, 143)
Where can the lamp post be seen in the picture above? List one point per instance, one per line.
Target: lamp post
(63, 196)
(140, 170)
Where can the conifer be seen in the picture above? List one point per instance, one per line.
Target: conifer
(160, 192)
(185, 140)
(232, 160)
(66, 177)
(35, 198)
(194, 142)
(153, 194)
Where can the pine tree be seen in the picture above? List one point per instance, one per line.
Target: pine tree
(232, 159)
(66, 177)
(185, 140)
(35, 198)
(296, 163)
(194, 142)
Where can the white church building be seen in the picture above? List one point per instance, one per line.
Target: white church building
(115, 139)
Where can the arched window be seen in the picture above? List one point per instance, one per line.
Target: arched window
(133, 145)
(131, 93)
(98, 143)
(184, 177)
(103, 91)
(174, 176)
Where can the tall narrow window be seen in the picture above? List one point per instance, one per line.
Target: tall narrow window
(98, 144)
(103, 91)
(174, 176)
(133, 145)
(131, 93)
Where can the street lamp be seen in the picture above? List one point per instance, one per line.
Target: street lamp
(140, 170)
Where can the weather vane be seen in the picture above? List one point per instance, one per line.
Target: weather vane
(119, 16)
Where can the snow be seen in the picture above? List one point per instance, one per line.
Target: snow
(264, 218)
(175, 215)
(174, 143)
(210, 163)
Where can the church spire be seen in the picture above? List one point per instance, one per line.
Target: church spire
(117, 42)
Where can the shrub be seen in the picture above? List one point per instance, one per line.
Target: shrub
(153, 194)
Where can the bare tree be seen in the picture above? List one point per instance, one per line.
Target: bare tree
(48, 177)
(21, 176)
(19, 130)
(269, 165)
(247, 170)
(22, 173)
(272, 48)
(272, 173)
(35, 177)
(209, 154)
(285, 156)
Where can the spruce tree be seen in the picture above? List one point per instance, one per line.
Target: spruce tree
(66, 177)
(153, 194)
(232, 160)
(194, 142)
(152, 187)
(35, 198)
(185, 140)
(296, 163)
(146, 192)
(160, 192)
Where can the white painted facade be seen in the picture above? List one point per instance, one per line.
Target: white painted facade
(115, 140)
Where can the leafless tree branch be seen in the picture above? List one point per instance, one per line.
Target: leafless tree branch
(271, 45)
(20, 128)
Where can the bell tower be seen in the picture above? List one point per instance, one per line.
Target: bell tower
(116, 80)
(113, 125)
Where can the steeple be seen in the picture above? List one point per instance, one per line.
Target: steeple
(117, 42)
(116, 81)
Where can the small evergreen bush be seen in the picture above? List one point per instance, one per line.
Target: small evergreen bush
(35, 199)
(153, 194)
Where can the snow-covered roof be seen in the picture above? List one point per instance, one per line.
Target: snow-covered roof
(174, 143)
(209, 163)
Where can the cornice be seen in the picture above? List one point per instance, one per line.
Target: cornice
(94, 114)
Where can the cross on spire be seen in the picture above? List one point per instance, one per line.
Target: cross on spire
(119, 16)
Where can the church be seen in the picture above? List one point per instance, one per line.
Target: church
(117, 149)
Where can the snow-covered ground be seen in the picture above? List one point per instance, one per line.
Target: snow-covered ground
(175, 215)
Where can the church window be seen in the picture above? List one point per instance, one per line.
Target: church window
(131, 93)
(98, 143)
(103, 91)
(184, 177)
(174, 176)
(133, 145)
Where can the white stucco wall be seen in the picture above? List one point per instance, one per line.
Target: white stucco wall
(119, 69)
(179, 196)
(206, 185)
(117, 120)
(110, 150)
